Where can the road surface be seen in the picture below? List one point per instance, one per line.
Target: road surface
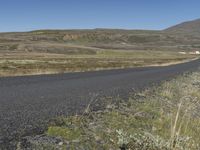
(27, 103)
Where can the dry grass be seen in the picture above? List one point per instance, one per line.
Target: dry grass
(26, 63)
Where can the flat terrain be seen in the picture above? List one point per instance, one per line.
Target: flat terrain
(27, 103)
(27, 63)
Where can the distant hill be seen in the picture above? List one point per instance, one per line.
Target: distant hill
(191, 27)
(184, 36)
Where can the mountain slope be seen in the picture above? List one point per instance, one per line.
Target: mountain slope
(192, 27)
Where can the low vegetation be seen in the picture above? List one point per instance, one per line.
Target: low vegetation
(159, 118)
(26, 63)
(57, 51)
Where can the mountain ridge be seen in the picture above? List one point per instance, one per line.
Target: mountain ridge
(187, 26)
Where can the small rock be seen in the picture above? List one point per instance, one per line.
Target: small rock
(76, 141)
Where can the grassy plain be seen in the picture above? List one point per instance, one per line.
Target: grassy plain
(27, 63)
(57, 51)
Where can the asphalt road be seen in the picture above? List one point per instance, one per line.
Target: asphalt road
(27, 103)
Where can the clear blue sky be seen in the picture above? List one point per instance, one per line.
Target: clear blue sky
(25, 15)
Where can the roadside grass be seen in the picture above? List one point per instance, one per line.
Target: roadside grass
(27, 63)
(160, 118)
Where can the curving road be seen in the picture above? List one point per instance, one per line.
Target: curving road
(27, 103)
